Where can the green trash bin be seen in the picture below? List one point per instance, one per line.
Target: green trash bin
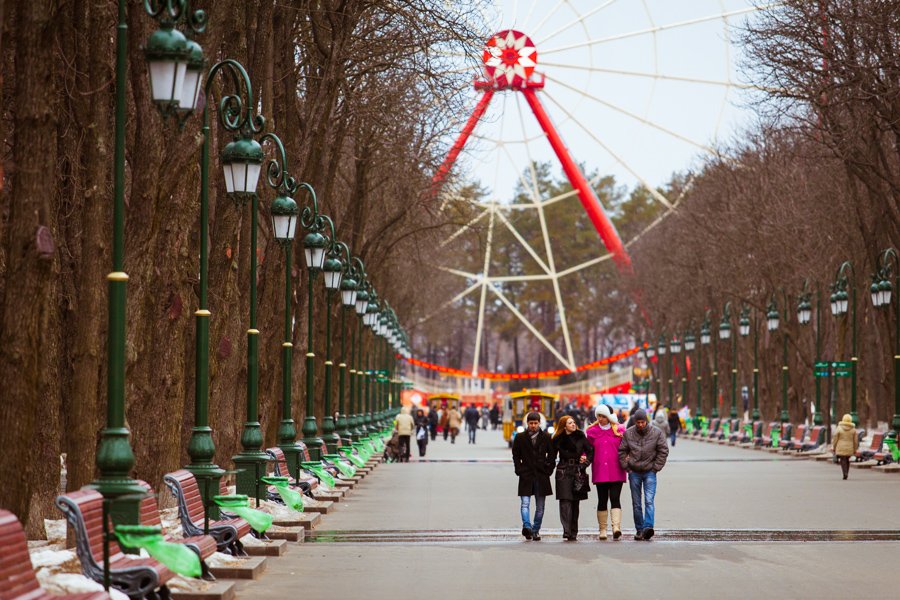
(776, 436)
(891, 442)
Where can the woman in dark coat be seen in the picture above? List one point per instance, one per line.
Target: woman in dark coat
(575, 454)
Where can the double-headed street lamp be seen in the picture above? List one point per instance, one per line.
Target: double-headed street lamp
(725, 334)
(804, 317)
(882, 291)
(745, 325)
(337, 256)
(773, 321)
(839, 303)
(349, 290)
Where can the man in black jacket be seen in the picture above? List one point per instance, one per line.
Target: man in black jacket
(532, 460)
(643, 452)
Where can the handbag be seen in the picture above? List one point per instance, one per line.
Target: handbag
(581, 483)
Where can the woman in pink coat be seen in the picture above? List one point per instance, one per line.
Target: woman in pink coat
(605, 435)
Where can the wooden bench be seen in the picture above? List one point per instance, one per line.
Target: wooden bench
(875, 447)
(795, 441)
(17, 579)
(306, 484)
(134, 576)
(203, 546)
(816, 439)
(227, 532)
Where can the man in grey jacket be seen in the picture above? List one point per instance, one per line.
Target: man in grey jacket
(643, 454)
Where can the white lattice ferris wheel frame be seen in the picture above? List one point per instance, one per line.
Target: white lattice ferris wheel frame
(495, 213)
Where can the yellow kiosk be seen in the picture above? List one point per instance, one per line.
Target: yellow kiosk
(519, 404)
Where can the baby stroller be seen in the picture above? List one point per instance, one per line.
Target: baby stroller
(392, 449)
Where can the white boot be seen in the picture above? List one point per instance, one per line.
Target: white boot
(616, 517)
(601, 521)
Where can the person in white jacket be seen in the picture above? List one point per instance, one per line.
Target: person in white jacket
(405, 426)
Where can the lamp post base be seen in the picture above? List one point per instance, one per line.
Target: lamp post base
(311, 439)
(250, 466)
(293, 456)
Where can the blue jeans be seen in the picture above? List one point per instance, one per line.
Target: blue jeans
(643, 519)
(472, 433)
(672, 437)
(525, 509)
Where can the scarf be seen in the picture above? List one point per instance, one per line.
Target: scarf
(534, 437)
(606, 427)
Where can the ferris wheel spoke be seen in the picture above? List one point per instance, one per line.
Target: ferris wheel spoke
(535, 188)
(634, 116)
(523, 242)
(532, 328)
(453, 300)
(563, 322)
(662, 199)
(549, 15)
(649, 75)
(585, 265)
(484, 274)
(658, 28)
(574, 22)
(463, 229)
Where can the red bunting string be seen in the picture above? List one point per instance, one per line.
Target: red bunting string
(512, 376)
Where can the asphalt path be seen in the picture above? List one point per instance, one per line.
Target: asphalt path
(448, 525)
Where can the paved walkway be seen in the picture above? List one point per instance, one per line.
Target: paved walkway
(448, 526)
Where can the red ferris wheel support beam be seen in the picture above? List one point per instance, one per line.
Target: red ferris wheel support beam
(586, 194)
(448, 163)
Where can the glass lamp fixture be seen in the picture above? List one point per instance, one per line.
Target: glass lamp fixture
(772, 318)
(314, 249)
(334, 271)
(193, 78)
(166, 54)
(348, 292)
(690, 342)
(241, 162)
(284, 219)
(362, 301)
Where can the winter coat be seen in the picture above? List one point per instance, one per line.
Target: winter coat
(674, 422)
(405, 424)
(422, 425)
(659, 421)
(643, 451)
(570, 448)
(472, 416)
(533, 463)
(845, 440)
(455, 419)
(605, 466)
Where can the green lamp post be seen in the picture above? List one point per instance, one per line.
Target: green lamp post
(804, 317)
(773, 321)
(362, 305)
(690, 343)
(314, 247)
(370, 321)
(745, 325)
(839, 302)
(333, 270)
(675, 350)
(650, 352)
(725, 334)
(882, 291)
(348, 301)
(705, 338)
(285, 214)
(661, 353)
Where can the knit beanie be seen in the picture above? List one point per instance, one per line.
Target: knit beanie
(640, 415)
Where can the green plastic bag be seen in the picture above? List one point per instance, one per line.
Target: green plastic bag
(239, 505)
(689, 426)
(346, 469)
(356, 460)
(292, 498)
(363, 451)
(776, 437)
(726, 430)
(893, 448)
(178, 558)
(704, 426)
(320, 472)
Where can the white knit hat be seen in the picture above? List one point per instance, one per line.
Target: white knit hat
(602, 410)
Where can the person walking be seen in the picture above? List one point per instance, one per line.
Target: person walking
(472, 416)
(674, 426)
(533, 464)
(660, 421)
(445, 422)
(605, 436)
(422, 426)
(844, 443)
(643, 454)
(405, 426)
(495, 416)
(433, 423)
(454, 422)
(575, 454)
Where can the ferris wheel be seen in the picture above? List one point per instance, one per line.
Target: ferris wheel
(637, 89)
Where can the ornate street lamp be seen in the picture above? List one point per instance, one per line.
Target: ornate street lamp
(660, 353)
(773, 321)
(725, 334)
(889, 265)
(357, 375)
(348, 301)
(745, 326)
(705, 339)
(175, 63)
(314, 246)
(285, 214)
(839, 304)
(804, 317)
(690, 343)
(333, 269)
(675, 349)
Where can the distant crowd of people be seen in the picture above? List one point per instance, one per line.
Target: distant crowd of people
(445, 421)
